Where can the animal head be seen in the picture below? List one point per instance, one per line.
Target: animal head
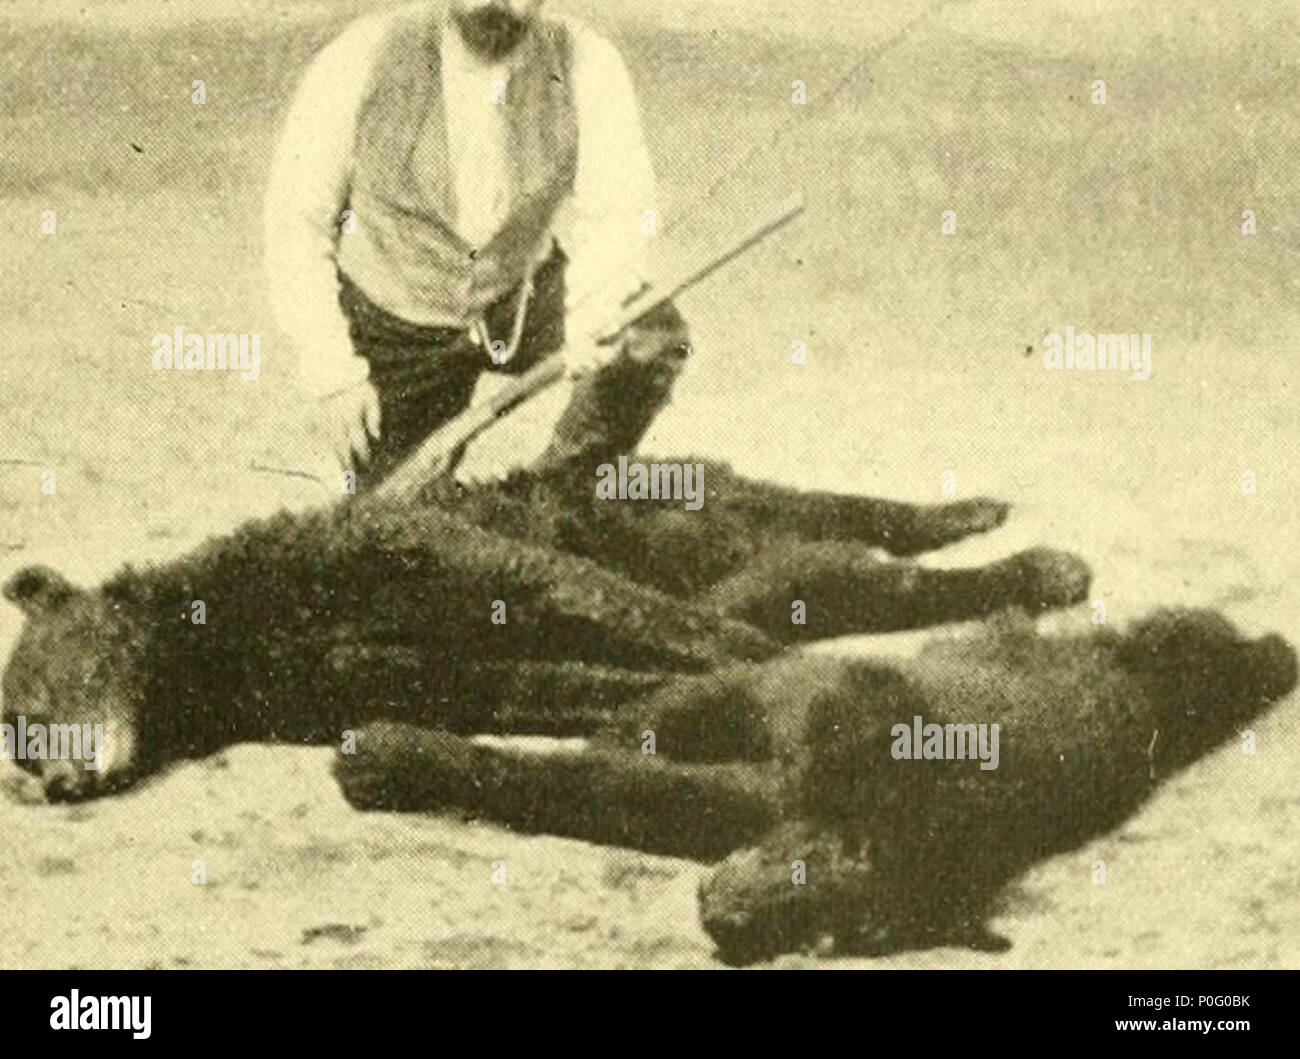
(70, 691)
(750, 903)
(1207, 677)
(808, 888)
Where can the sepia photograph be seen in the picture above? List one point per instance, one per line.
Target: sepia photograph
(671, 485)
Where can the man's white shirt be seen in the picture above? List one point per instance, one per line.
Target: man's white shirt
(599, 226)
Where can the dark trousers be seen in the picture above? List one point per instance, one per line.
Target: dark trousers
(426, 375)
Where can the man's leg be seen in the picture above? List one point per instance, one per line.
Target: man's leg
(424, 376)
(611, 410)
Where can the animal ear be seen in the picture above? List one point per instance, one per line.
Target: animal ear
(37, 589)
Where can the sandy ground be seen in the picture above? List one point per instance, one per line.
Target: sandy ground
(923, 358)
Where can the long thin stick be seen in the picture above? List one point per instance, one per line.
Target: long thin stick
(432, 457)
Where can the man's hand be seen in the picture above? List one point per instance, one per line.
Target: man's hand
(583, 355)
(350, 418)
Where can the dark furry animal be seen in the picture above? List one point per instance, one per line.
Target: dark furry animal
(318, 623)
(789, 764)
(623, 618)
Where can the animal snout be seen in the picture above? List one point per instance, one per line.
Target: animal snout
(64, 781)
(1276, 661)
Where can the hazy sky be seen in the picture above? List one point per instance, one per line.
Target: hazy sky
(1118, 27)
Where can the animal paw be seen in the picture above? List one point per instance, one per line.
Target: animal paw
(402, 767)
(940, 524)
(1046, 578)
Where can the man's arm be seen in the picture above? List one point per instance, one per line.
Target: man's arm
(307, 193)
(613, 188)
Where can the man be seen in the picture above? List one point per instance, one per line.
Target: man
(439, 167)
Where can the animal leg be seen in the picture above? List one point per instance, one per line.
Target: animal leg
(845, 589)
(368, 682)
(614, 797)
(900, 528)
